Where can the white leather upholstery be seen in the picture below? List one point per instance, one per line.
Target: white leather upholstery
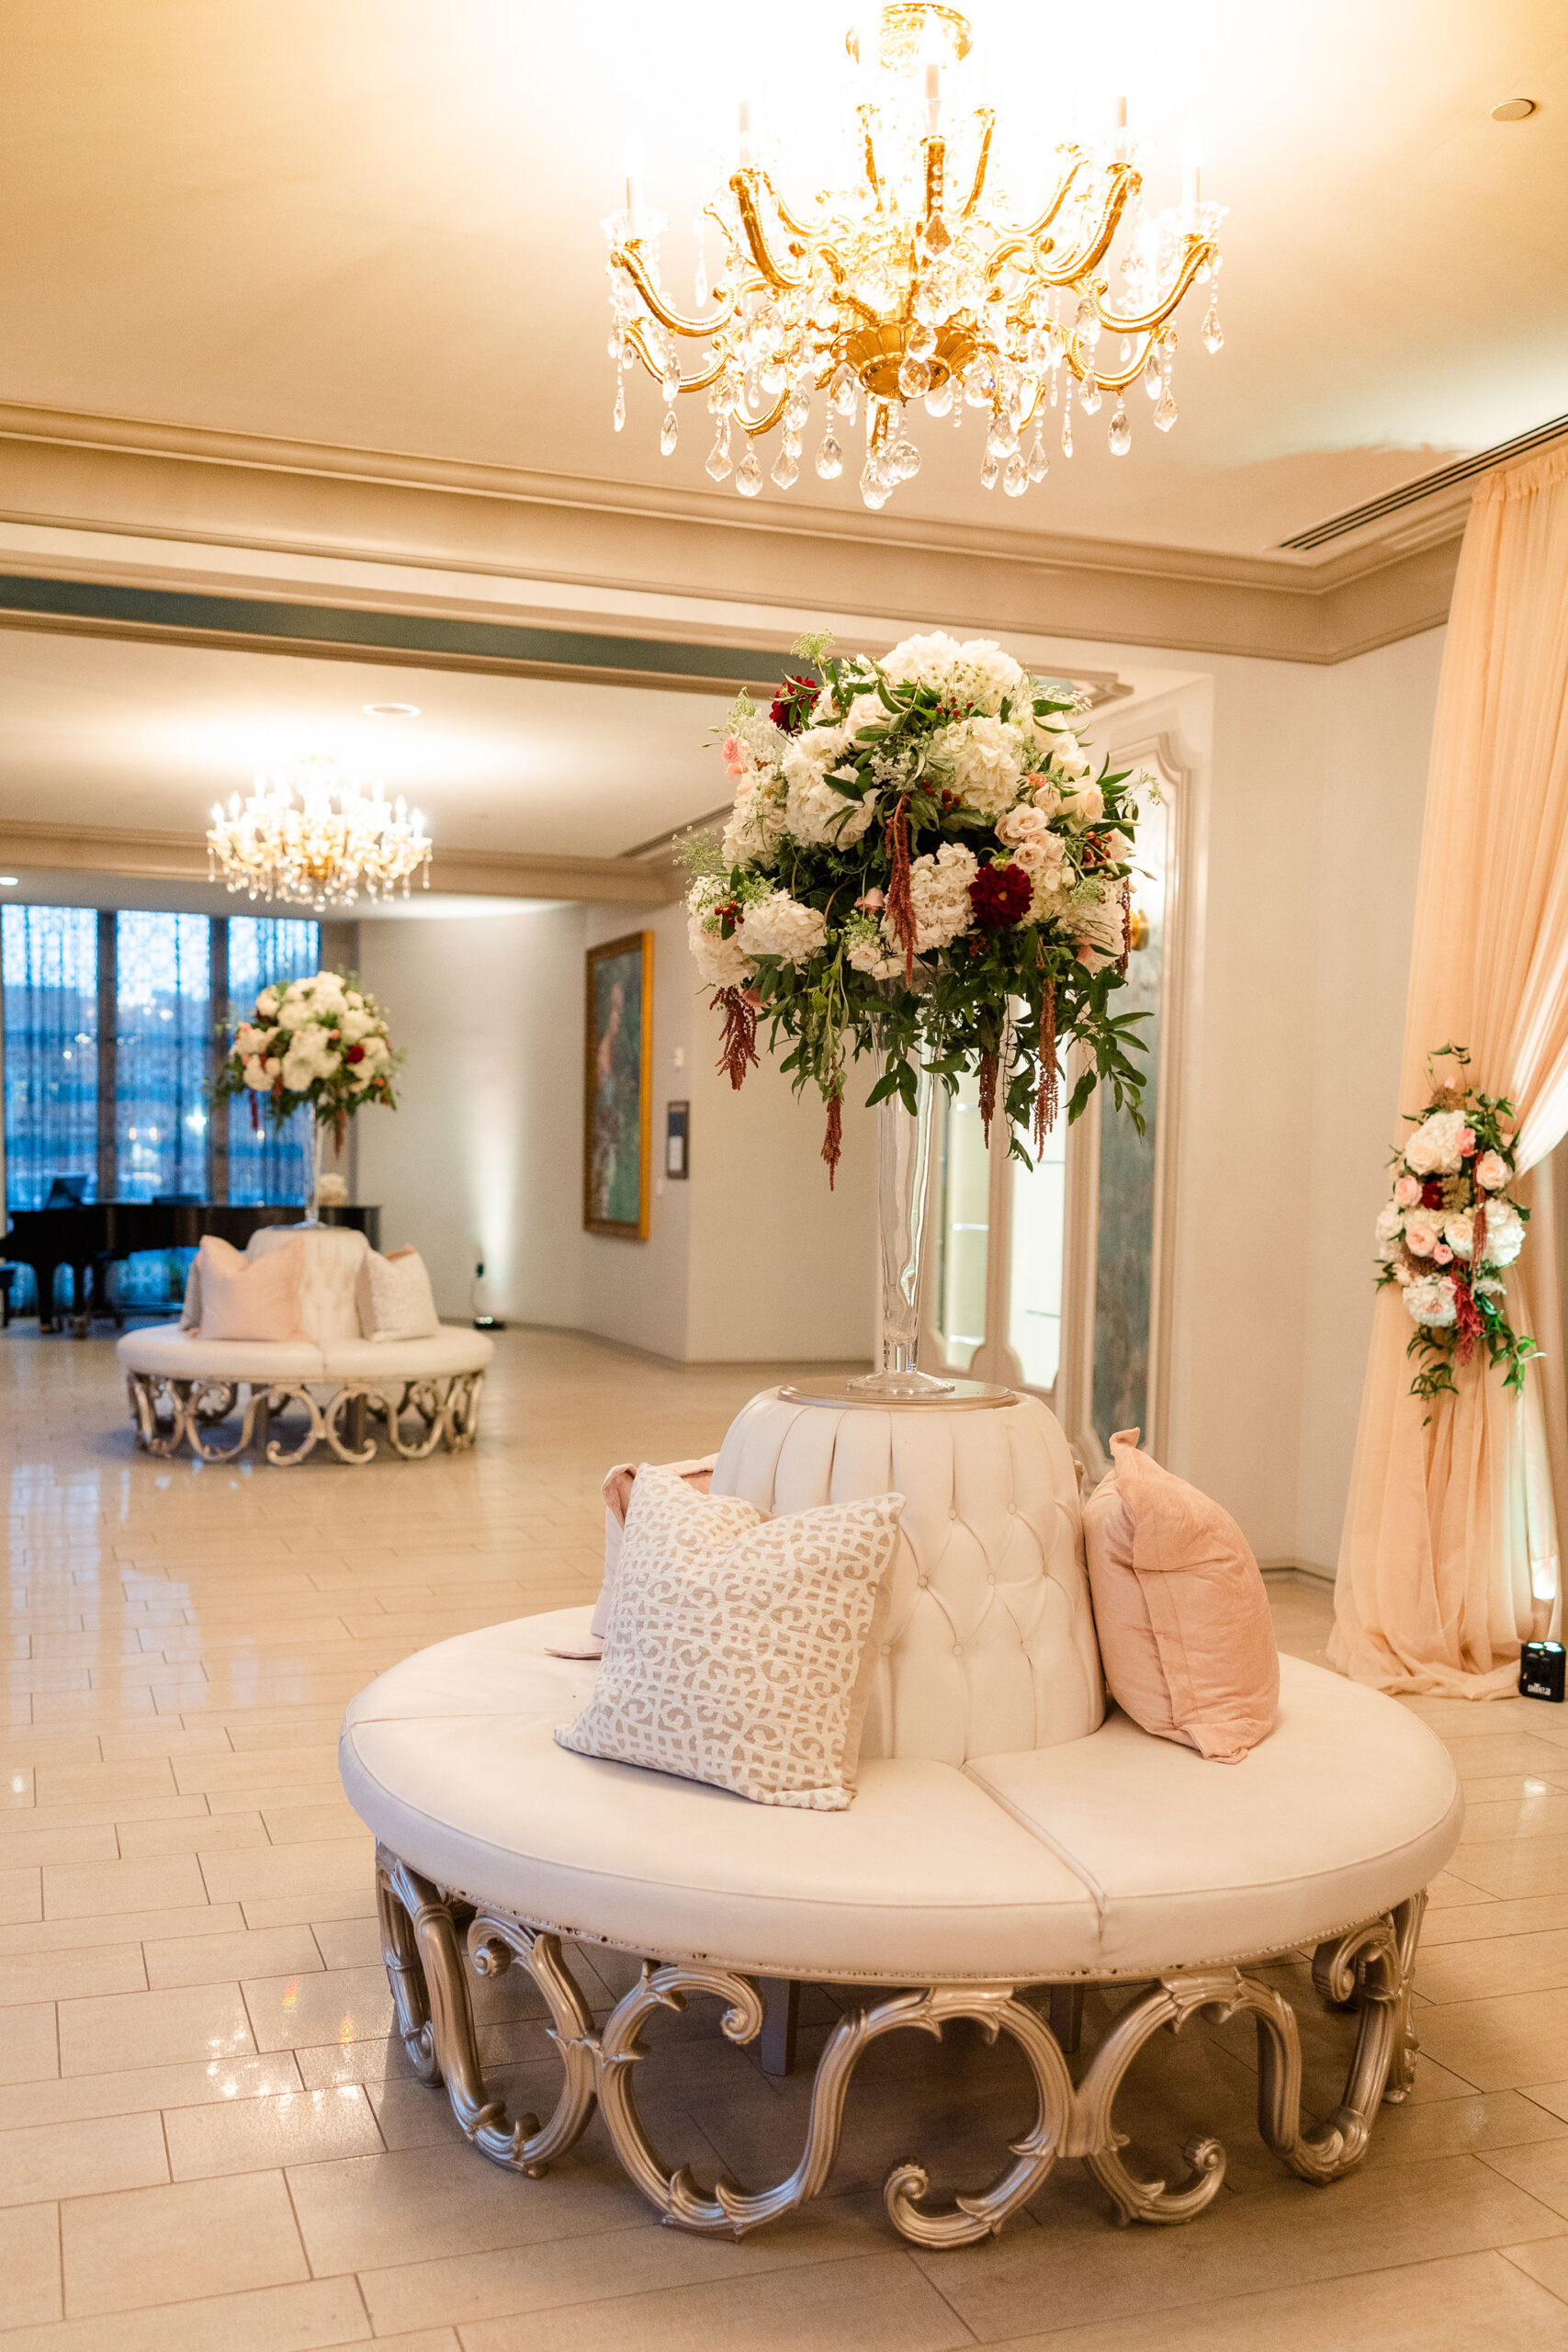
(451, 1346)
(329, 1309)
(449, 1760)
(990, 1640)
(165, 1348)
(169, 1349)
(1111, 1853)
(1347, 1806)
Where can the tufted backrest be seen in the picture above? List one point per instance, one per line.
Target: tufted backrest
(328, 1308)
(989, 1645)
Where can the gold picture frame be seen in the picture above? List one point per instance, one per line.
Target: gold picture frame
(618, 1088)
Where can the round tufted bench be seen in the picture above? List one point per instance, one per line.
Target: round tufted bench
(1006, 1834)
(183, 1387)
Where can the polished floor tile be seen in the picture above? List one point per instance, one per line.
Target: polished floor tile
(215, 2136)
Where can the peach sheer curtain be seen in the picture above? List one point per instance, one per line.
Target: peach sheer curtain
(1450, 1554)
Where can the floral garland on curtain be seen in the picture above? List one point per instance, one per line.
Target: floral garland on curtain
(922, 865)
(320, 1042)
(1450, 1228)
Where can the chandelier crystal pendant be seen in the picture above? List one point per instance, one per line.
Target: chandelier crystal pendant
(912, 285)
(314, 838)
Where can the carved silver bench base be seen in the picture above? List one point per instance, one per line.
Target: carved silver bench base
(168, 1413)
(1369, 1969)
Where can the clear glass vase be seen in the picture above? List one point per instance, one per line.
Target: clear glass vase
(903, 1164)
(315, 1151)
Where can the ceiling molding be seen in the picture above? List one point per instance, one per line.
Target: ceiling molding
(182, 857)
(129, 477)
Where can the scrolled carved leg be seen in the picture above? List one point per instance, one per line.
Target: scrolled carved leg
(496, 1940)
(161, 1409)
(347, 1447)
(256, 1405)
(731, 2208)
(1166, 2006)
(294, 1393)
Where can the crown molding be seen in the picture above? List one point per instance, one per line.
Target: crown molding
(300, 502)
(147, 856)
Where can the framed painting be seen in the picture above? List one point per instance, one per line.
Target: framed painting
(618, 1088)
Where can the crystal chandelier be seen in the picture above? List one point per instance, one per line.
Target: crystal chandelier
(910, 284)
(312, 837)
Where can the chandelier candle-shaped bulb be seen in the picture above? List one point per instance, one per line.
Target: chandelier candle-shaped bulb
(911, 281)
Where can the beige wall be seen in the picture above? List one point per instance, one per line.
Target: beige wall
(751, 1258)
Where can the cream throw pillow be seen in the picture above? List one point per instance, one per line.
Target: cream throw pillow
(740, 1650)
(249, 1298)
(394, 1297)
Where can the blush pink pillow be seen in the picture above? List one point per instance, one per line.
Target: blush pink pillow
(1179, 1605)
(250, 1298)
(618, 1493)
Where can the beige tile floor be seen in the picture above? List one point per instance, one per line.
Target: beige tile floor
(208, 2138)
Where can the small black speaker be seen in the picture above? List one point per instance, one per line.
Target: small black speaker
(1540, 1670)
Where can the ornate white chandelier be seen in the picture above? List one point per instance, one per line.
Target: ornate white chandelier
(288, 840)
(910, 284)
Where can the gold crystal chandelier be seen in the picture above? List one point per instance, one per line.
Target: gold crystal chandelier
(910, 284)
(311, 836)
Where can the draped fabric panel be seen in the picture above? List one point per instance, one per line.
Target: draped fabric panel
(1449, 1553)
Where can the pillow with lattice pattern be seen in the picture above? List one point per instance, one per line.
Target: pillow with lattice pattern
(740, 1649)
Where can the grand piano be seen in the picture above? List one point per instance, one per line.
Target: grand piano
(92, 1235)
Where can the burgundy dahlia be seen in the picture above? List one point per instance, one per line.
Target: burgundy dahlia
(1000, 896)
(792, 704)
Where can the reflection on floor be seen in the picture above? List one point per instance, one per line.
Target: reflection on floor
(207, 2137)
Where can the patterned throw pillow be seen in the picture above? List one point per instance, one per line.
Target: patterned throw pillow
(740, 1649)
(393, 1296)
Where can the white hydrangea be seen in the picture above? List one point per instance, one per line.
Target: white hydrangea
(756, 820)
(1099, 924)
(977, 671)
(1431, 1300)
(939, 894)
(779, 925)
(814, 810)
(256, 1073)
(984, 758)
(1504, 1231)
(266, 1005)
(1433, 1147)
(1389, 1225)
(721, 963)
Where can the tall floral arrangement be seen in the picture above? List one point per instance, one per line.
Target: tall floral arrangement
(318, 1043)
(1450, 1228)
(922, 863)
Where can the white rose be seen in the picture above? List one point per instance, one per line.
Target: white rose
(1433, 1148)
(870, 954)
(1047, 797)
(354, 1000)
(779, 925)
(1491, 1171)
(1459, 1232)
(1431, 1301)
(984, 758)
(1504, 1234)
(1068, 755)
(1086, 805)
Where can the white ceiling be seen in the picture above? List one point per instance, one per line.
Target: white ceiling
(101, 731)
(375, 224)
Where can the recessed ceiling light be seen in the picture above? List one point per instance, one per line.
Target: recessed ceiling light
(1513, 110)
(391, 709)
(9, 881)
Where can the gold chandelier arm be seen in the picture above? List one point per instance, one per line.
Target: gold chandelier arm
(763, 424)
(1124, 180)
(1116, 381)
(655, 368)
(830, 255)
(629, 258)
(743, 184)
(1200, 252)
(987, 116)
(1064, 188)
(797, 228)
(868, 156)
